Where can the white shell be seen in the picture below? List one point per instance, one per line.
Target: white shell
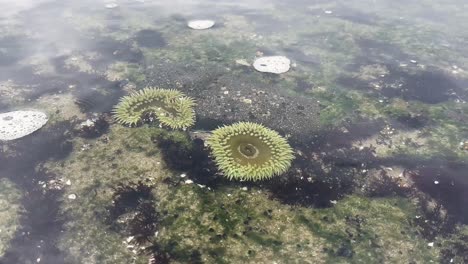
(272, 64)
(200, 24)
(17, 124)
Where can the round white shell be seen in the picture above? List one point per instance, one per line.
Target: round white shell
(17, 124)
(272, 64)
(200, 24)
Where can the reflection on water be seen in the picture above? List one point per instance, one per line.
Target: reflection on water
(374, 106)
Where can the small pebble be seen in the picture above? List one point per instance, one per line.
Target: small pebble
(413, 61)
(188, 181)
(183, 175)
(68, 182)
(430, 244)
(244, 188)
(72, 196)
(436, 182)
(328, 12)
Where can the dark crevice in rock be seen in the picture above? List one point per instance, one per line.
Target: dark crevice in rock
(41, 224)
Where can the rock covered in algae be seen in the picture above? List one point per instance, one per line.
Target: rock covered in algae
(10, 210)
(18, 124)
(170, 107)
(272, 64)
(200, 24)
(249, 151)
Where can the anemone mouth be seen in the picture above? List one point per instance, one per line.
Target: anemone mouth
(249, 151)
(170, 107)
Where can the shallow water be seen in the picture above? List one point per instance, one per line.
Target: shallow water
(373, 106)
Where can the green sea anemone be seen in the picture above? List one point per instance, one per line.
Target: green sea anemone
(249, 151)
(170, 107)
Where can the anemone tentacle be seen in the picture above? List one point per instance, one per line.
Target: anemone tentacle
(170, 107)
(249, 151)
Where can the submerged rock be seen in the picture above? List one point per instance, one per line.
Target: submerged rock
(150, 39)
(10, 210)
(93, 127)
(225, 97)
(18, 124)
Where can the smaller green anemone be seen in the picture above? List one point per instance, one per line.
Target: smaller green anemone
(171, 107)
(249, 151)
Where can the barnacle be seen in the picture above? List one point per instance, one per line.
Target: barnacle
(249, 151)
(170, 107)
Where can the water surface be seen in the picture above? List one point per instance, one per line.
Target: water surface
(374, 107)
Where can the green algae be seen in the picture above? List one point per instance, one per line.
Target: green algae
(455, 247)
(379, 230)
(440, 138)
(206, 50)
(339, 107)
(228, 219)
(251, 228)
(93, 182)
(10, 213)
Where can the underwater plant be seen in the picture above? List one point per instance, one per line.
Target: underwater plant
(249, 151)
(170, 107)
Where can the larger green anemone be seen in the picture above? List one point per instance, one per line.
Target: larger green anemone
(249, 151)
(171, 107)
